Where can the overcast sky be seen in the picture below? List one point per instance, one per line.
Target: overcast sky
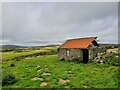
(50, 21)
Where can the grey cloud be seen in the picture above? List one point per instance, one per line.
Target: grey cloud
(59, 21)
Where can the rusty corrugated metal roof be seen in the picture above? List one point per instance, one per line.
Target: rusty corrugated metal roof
(78, 43)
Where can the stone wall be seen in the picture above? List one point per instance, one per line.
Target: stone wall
(94, 51)
(78, 54)
(74, 54)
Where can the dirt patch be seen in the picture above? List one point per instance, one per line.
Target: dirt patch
(116, 56)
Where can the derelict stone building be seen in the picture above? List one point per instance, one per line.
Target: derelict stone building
(82, 49)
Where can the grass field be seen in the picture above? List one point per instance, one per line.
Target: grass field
(46, 71)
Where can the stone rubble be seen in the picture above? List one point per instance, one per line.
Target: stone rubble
(100, 57)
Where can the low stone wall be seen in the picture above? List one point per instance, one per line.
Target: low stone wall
(102, 55)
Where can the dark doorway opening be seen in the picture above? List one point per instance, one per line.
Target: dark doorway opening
(85, 56)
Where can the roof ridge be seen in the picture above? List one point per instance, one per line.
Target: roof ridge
(82, 38)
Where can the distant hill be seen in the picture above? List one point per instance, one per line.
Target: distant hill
(52, 45)
(108, 45)
(11, 46)
(17, 46)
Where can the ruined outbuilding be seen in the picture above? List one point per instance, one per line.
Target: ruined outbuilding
(82, 49)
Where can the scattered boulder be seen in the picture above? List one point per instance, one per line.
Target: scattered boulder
(70, 71)
(46, 74)
(39, 71)
(27, 58)
(36, 78)
(45, 66)
(37, 66)
(101, 61)
(43, 84)
(84, 86)
(116, 56)
(66, 87)
(62, 81)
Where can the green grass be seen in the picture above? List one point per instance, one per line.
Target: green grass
(11, 55)
(81, 75)
(6, 56)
